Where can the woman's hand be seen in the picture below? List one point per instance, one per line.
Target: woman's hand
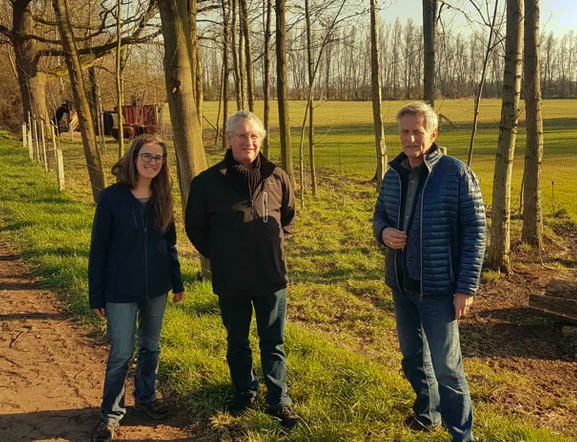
(177, 297)
(100, 312)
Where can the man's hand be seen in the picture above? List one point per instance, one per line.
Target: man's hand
(462, 303)
(100, 312)
(177, 297)
(394, 239)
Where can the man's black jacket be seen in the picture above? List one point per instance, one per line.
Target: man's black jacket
(243, 236)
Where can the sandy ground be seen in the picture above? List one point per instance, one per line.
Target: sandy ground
(51, 373)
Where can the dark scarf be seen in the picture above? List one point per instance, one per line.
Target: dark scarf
(248, 179)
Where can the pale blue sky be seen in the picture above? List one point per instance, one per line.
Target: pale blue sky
(557, 15)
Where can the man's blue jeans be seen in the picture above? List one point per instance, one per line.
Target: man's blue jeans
(270, 312)
(121, 329)
(429, 341)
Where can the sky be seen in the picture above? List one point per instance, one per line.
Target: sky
(560, 16)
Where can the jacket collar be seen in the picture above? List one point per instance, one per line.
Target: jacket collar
(430, 159)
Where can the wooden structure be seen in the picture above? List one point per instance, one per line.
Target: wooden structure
(559, 301)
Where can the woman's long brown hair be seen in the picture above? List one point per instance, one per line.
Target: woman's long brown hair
(161, 186)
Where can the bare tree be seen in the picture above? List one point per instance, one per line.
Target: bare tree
(119, 78)
(482, 83)
(533, 211)
(235, 55)
(188, 144)
(91, 152)
(225, 48)
(245, 26)
(32, 48)
(501, 210)
(429, 32)
(267, 5)
(283, 108)
(376, 84)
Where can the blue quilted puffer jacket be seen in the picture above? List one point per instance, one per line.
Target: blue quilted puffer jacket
(452, 225)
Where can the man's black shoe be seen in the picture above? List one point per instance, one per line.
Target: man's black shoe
(414, 424)
(244, 402)
(104, 431)
(287, 416)
(153, 409)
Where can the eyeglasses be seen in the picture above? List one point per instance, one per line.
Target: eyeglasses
(148, 157)
(245, 137)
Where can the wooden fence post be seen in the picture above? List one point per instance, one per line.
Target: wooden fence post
(60, 169)
(24, 136)
(54, 147)
(35, 139)
(30, 144)
(42, 138)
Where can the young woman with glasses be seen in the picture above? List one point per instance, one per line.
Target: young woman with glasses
(133, 265)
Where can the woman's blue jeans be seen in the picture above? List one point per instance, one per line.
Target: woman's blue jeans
(121, 330)
(429, 341)
(270, 312)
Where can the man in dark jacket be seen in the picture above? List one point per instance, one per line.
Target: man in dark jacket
(238, 214)
(430, 216)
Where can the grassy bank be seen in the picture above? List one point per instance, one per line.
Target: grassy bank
(344, 364)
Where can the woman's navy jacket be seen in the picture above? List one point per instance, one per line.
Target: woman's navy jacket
(130, 261)
(452, 225)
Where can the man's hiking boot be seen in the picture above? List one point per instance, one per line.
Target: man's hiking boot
(153, 409)
(414, 424)
(287, 416)
(244, 402)
(104, 431)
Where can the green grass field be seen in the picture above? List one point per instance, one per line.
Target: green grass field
(344, 364)
(345, 139)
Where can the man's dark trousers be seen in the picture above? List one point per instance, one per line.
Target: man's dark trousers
(270, 311)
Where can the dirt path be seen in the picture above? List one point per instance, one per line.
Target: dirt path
(51, 373)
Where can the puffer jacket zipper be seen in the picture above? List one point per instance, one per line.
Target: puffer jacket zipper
(421, 227)
(395, 254)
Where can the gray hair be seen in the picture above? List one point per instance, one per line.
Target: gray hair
(249, 117)
(420, 108)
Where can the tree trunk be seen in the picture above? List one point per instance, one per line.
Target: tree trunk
(188, 144)
(91, 152)
(311, 97)
(225, 44)
(196, 61)
(501, 210)
(248, 55)
(376, 86)
(31, 81)
(235, 61)
(266, 87)
(429, 35)
(533, 211)
(282, 82)
(119, 80)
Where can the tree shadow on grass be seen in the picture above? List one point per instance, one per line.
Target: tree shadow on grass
(74, 425)
(514, 332)
(33, 317)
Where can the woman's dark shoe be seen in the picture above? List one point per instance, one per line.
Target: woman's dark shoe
(153, 409)
(104, 431)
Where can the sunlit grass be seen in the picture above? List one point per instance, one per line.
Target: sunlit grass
(344, 364)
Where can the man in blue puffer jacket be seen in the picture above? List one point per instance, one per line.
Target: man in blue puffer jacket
(430, 217)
